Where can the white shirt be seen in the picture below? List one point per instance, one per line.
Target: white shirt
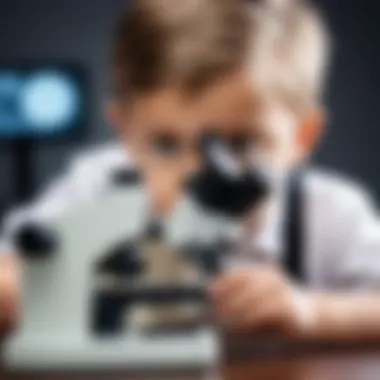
(342, 223)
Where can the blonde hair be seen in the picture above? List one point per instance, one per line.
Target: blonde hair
(291, 51)
(194, 42)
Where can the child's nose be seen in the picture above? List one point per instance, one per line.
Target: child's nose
(191, 165)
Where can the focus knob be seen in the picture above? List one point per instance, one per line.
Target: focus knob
(36, 241)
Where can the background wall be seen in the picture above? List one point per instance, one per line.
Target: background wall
(74, 30)
(79, 30)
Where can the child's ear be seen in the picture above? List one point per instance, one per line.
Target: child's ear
(116, 116)
(310, 131)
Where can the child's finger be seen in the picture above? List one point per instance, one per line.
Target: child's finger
(230, 282)
(262, 315)
(234, 303)
(248, 296)
(222, 301)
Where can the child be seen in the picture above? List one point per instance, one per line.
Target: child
(244, 68)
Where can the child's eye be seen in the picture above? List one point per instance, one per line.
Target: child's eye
(166, 144)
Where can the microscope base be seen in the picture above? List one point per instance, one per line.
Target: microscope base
(130, 352)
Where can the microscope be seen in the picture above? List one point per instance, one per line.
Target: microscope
(109, 287)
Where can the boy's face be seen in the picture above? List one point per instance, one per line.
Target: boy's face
(161, 130)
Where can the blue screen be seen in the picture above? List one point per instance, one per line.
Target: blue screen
(38, 102)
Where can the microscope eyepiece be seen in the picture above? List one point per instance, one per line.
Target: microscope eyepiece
(222, 186)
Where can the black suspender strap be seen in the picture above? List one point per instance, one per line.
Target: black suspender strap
(294, 227)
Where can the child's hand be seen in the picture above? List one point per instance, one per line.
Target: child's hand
(9, 292)
(260, 296)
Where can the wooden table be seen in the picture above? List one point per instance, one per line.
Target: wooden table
(267, 361)
(364, 366)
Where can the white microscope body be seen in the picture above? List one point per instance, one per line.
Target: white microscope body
(55, 329)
